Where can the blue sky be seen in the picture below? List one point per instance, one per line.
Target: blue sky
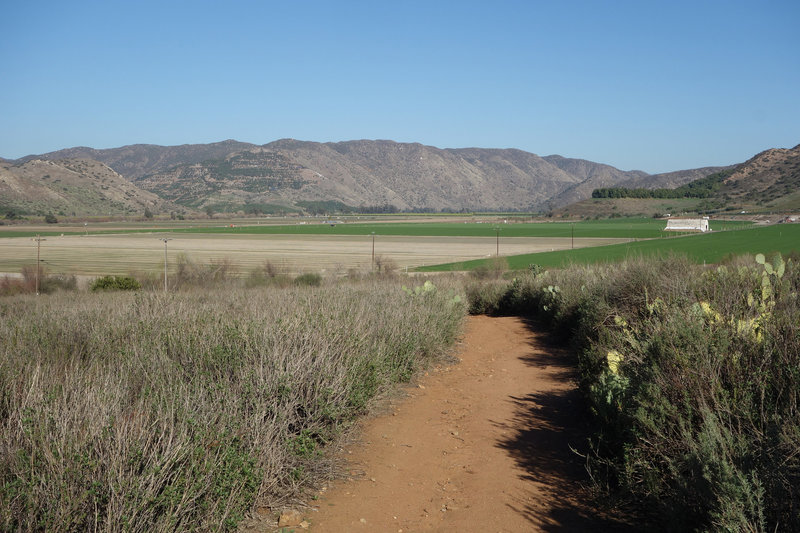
(655, 86)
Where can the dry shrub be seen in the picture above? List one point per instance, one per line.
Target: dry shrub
(386, 266)
(27, 283)
(10, 286)
(268, 274)
(494, 268)
(154, 412)
(189, 274)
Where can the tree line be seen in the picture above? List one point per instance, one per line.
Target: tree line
(700, 188)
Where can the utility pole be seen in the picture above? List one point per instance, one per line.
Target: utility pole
(373, 250)
(165, 262)
(572, 226)
(497, 241)
(38, 240)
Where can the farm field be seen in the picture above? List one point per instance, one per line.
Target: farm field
(310, 245)
(119, 254)
(622, 228)
(615, 228)
(709, 248)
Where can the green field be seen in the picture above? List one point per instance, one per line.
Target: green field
(639, 228)
(627, 228)
(709, 248)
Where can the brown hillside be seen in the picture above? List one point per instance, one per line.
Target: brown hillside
(415, 176)
(356, 173)
(768, 182)
(72, 187)
(769, 179)
(137, 160)
(232, 174)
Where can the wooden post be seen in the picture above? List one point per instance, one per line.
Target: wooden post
(38, 240)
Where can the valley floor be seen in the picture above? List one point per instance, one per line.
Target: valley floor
(125, 253)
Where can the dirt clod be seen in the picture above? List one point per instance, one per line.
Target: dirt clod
(290, 518)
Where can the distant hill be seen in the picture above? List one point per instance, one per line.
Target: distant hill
(591, 175)
(669, 180)
(72, 187)
(137, 160)
(768, 182)
(376, 173)
(290, 174)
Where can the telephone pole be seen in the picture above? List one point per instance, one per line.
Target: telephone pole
(373, 250)
(165, 262)
(38, 240)
(497, 241)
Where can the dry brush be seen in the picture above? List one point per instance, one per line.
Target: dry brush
(145, 411)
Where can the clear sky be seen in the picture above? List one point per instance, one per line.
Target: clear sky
(655, 86)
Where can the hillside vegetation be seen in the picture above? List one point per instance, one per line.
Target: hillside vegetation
(770, 181)
(699, 188)
(692, 379)
(240, 179)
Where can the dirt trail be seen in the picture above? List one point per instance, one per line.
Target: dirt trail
(479, 446)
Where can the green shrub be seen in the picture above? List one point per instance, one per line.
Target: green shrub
(691, 375)
(115, 283)
(309, 279)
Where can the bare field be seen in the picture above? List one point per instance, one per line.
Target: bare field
(94, 255)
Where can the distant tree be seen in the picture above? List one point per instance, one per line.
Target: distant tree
(147, 213)
(50, 218)
(210, 211)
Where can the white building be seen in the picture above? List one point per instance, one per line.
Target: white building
(687, 224)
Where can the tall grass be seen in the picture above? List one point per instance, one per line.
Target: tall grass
(693, 378)
(145, 411)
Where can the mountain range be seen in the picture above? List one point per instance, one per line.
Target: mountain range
(290, 175)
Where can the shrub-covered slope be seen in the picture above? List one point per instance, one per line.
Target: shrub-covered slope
(693, 378)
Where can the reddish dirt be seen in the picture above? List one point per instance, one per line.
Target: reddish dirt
(483, 445)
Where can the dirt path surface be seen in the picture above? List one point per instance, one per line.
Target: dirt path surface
(483, 445)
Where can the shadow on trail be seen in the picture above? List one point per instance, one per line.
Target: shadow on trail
(545, 437)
